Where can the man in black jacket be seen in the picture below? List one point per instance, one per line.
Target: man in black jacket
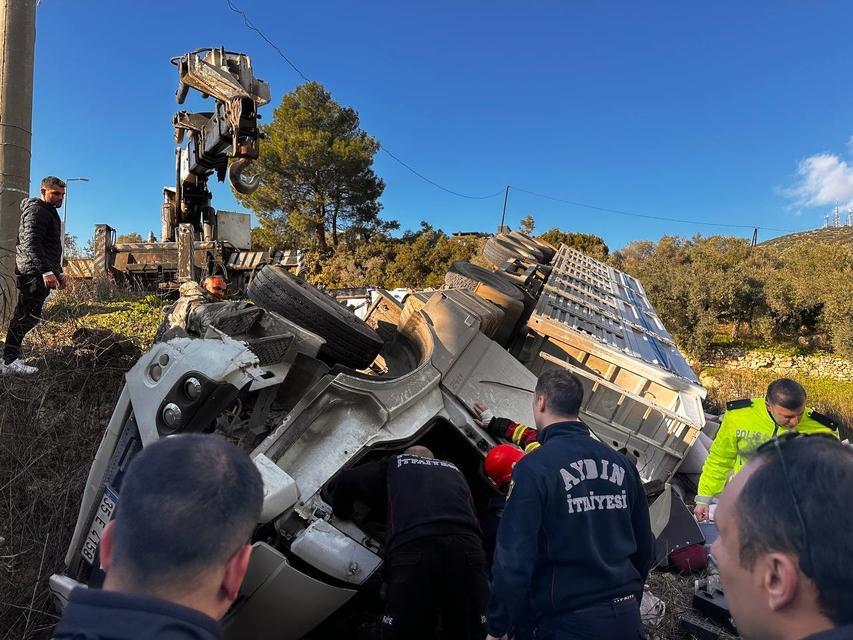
(434, 559)
(177, 549)
(38, 268)
(575, 540)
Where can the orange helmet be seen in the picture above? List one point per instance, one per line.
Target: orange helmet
(499, 463)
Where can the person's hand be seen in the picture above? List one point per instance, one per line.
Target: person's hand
(700, 512)
(503, 637)
(484, 415)
(63, 281)
(51, 281)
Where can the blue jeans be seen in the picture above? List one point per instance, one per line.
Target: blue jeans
(618, 619)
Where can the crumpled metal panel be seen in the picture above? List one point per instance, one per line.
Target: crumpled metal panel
(587, 296)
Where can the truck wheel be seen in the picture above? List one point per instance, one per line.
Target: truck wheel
(548, 250)
(464, 275)
(524, 252)
(496, 254)
(500, 249)
(349, 341)
(528, 243)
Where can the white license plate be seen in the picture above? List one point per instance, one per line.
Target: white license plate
(102, 517)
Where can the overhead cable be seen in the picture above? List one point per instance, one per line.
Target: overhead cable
(620, 212)
(633, 214)
(251, 26)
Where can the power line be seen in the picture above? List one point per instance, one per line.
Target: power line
(249, 25)
(435, 184)
(633, 214)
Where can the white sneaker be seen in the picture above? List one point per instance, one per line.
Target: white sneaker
(17, 367)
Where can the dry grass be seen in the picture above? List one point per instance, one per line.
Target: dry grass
(50, 427)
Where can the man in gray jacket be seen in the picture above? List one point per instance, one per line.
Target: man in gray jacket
(38, 268)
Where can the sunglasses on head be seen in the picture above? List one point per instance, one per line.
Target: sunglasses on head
(777, 444)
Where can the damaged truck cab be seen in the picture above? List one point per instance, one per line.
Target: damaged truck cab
(310, 395)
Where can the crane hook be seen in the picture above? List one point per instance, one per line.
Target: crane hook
(242, 184)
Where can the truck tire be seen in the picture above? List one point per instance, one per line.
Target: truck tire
(496, 254)
(530, 244)
(349, 341)
(464, 275)
(548, 250)
(501, 249)
(533, 254)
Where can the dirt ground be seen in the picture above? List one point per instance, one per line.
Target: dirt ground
(50, 428)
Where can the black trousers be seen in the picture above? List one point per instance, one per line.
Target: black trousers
(31, 296)
(618, 619)
(436, 577)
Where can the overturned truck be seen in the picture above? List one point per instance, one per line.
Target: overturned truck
(309, 390)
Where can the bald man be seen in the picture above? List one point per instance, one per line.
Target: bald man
(434, 558)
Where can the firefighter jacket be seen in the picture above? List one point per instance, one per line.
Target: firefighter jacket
(575, 530)
(746, 425)
(424, 497)
(517, 433)
(39, 249)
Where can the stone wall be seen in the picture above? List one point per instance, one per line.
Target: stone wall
(820, 365)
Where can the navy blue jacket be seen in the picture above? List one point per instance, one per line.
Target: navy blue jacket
(424, 497)
(575, 530)
(95, 614)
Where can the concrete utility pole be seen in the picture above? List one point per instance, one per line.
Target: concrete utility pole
(17, 53)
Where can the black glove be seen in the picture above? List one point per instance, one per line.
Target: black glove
(498, 427)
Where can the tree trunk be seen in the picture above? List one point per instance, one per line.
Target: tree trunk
(321, 238)
(321, 225)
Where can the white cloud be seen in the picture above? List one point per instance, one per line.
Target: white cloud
(823, 179)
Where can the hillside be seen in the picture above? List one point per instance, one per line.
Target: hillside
(840, 235)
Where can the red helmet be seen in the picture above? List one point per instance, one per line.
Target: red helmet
(499, 463)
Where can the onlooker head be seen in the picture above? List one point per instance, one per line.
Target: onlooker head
(187, 509)
(556, 398)
(784, 539)
(215, 286)
(786, 402)
(52, 191)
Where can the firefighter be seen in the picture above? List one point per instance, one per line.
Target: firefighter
(747, 424)
(434, 559)
(574, 544)
(499, 463)
(498, 467)
(516, 432)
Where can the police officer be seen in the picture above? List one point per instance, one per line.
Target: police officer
(434, 559)
(575, 540)
(747, 424)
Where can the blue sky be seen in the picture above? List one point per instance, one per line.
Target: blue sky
(725, 112)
